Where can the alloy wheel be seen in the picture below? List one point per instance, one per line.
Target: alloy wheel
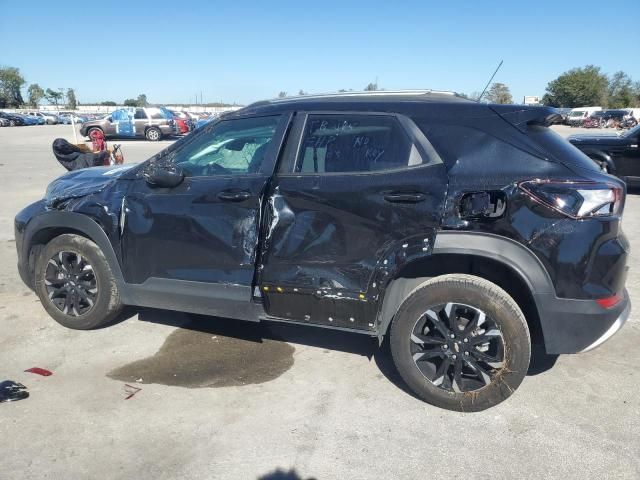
(457, 347)
(71, 283)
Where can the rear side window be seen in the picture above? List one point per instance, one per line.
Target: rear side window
(140, 114)
(354, 143)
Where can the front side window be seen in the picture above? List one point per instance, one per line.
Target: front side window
(354, 143)
(140, 115)
(229, 147)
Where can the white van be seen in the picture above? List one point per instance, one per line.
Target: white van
(577, 115)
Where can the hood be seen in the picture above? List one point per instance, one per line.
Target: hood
(79, 183)
(597, 139)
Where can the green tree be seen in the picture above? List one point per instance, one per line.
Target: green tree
(10, 84)
(578, 87)
(72, 103)
(621, 91)
(53, 96)
(131, 102)
(142, 100)
(109, 103)
(282, 94)
(302, 92)
(498, 93)
(36, 94)
(372, 87)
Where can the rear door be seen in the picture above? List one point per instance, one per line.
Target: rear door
(140, 120)
(357, 196)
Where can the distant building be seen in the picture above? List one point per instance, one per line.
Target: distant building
(531, 100)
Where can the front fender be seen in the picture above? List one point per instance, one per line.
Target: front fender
(66, 222)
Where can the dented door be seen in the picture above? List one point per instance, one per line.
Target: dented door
(204, 230)
(336, 237)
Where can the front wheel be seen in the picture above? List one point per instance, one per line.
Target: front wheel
(153, 134)
(461, 343)
(75, 283)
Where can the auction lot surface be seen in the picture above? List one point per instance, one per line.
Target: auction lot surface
(223, 399)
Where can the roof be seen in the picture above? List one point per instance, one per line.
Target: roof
(402, 101)
(379, 96)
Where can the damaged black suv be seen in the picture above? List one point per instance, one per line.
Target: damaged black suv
(462, 231)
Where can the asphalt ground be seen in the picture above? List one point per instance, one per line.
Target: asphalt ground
(225, 399)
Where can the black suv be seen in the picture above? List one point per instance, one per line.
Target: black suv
(617, 154)
(459, 230)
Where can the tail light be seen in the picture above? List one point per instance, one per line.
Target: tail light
(576, 199)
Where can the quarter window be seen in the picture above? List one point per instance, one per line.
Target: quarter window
(354, 143)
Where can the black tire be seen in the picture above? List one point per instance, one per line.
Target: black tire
(12, 123)
(103, 306)
(153, 134)
(502, 312)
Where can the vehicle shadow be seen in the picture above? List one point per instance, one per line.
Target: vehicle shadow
(347, 342)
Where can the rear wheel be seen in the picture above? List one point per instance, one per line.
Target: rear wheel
(12, 123)
(75, 284)
(153, 134)
(461, 343)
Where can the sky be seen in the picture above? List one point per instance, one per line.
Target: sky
(241, 51)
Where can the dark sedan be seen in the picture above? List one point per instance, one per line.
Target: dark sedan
(13, 119)
(617, 154)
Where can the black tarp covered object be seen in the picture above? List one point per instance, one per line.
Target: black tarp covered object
(72, 157)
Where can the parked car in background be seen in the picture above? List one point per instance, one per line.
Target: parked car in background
(13, 119)
(183, 121)
(203, 121)
(595, 120)
(564, 112)
(614, 116)
(66, 117)
(4, 122)
(388, 214)
(618, 154)
(29, 120)
(578, 115)
(48, 118)
(152, 123)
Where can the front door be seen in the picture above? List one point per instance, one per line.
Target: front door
(122, 120)
(360, 197)
(200, 237)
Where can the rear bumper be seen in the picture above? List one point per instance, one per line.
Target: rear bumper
(574, 326)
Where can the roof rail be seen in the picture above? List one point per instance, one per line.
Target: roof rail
(367, 93)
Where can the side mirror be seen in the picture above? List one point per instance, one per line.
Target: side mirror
(158, 177)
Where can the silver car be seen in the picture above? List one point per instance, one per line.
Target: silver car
(152, 123)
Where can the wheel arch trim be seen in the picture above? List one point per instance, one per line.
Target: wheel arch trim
(508, 252)
(82, 224)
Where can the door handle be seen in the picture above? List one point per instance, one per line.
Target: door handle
(234, 195)
(404, 197)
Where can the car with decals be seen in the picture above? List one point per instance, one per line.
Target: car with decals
(152, 123)
(460, 232)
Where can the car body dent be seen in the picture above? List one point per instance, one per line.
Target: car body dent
(320, 255)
